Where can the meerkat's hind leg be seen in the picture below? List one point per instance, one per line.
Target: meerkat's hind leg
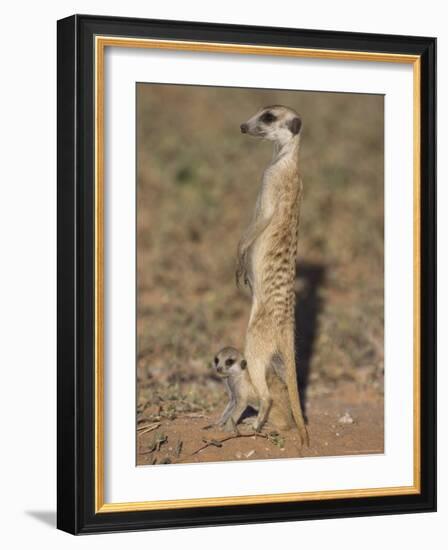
(265, 407)
(278, 366)
(280, 415)
(258, 363)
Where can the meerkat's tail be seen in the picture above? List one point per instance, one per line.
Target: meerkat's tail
(287, 354)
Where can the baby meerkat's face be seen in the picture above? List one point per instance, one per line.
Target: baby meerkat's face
(275, 123)
(228, 362)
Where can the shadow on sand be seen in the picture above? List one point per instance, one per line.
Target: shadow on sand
(310, 277)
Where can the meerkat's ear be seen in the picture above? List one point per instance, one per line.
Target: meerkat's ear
(294, 125)
(243, 364)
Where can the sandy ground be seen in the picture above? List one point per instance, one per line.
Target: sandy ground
(347, 424)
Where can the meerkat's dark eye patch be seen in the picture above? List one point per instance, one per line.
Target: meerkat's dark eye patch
(243, 364)
(216, 360)
(230, 362)
(268, 117)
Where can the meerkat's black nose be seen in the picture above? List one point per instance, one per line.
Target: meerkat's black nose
(244, 127)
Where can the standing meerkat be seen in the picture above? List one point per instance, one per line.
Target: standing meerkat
(231, 366)
(266, 260)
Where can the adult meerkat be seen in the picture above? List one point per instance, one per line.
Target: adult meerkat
(231, 366)
(267, 260)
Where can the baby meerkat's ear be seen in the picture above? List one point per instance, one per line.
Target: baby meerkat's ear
(295, 125)
(243, 364)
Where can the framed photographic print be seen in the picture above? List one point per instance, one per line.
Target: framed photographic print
(246, 274)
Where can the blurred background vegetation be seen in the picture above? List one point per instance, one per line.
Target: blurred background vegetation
(198, 178)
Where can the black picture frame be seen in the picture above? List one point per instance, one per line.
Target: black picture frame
(76, 301)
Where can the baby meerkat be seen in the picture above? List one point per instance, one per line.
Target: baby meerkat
(231, 366)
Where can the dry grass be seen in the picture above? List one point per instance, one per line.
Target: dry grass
(197, 182)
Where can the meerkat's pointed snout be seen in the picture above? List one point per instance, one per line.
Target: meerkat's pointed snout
(244, 127)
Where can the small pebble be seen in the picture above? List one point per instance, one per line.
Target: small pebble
(346, 418)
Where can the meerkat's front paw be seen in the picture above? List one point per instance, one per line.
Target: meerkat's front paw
(230, 426)
(241, 272)
(257, 425)
(220, 424)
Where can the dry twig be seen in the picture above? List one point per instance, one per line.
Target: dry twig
(219, 442)
(147, 428)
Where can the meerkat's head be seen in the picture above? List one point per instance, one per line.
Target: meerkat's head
(275, 123)
(229, 362)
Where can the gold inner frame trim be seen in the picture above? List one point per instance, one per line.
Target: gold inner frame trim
(101, 42)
